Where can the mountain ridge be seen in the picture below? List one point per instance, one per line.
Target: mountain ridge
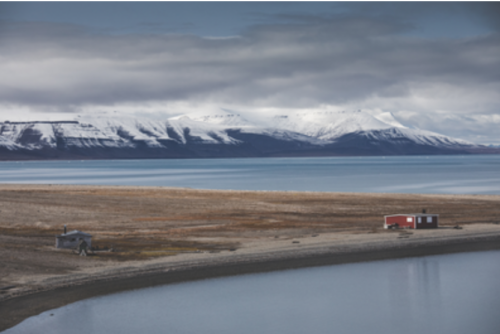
(223, 135)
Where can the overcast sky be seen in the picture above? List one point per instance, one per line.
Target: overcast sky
(435, 66)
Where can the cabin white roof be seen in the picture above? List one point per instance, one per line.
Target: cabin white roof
(74, 233)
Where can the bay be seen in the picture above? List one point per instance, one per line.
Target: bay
(455, 294)
(468, 174)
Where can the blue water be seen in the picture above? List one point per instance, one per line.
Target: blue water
(471, 174)
(445, 294)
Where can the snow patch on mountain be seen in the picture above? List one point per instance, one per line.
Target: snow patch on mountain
(388, 118)
(204, 131)
(328, 125)
(223, 118)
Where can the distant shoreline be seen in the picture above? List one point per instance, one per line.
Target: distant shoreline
(17, 309)
(27, 156)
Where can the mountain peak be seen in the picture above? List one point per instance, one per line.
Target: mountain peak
(222, 117)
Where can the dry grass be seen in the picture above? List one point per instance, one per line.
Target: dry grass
(149, 222)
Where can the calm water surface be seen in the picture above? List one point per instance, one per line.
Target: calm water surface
(458, 293)
(472, 174)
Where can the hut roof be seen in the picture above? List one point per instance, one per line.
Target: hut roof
(74, 233)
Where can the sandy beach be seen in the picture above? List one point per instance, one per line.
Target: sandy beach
(150, 236)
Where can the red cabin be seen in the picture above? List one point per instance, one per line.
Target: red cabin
(411, 220)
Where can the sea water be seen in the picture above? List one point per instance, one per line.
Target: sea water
(446, 294)
(468, 174)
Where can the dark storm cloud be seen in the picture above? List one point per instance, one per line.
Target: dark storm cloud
(304, 61)
(487, 13)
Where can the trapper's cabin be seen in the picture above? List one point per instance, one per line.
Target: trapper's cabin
(411, 220)
(71, 239)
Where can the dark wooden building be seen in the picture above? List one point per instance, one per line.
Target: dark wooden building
(71, 239)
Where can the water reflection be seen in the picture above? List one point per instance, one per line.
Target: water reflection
(414, 286)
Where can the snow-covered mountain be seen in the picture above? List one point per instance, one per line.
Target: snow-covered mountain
(223, 134)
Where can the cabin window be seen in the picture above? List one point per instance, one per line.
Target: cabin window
(73, 240)
(409, 219)
(429, 219)
(419, 220)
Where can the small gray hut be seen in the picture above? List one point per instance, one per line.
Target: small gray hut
(71, 239)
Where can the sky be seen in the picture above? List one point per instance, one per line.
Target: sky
(434, 66)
